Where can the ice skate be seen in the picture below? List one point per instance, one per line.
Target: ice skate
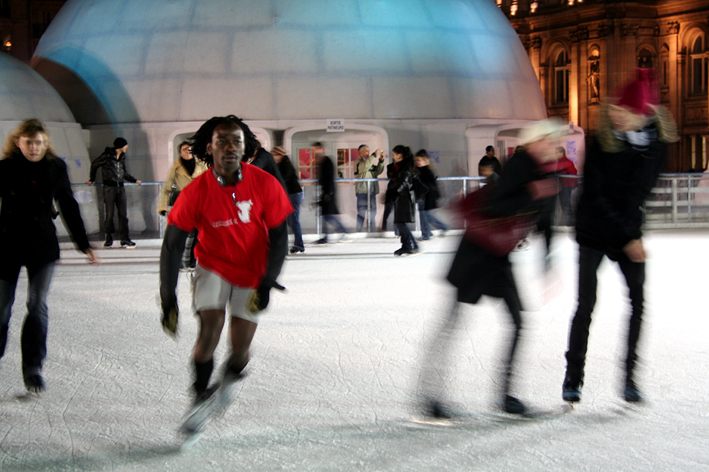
(571, 391)
(35, 383)
(227, 390)
(631, 393)
(513, 406)
(199, 413)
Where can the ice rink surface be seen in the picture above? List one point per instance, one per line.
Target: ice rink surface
(332, 383)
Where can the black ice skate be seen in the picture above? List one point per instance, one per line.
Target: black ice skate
(631, 392)
(571, 391)
(513, 405)
(34, 383)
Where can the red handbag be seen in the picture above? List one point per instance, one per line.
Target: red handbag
(497, 235)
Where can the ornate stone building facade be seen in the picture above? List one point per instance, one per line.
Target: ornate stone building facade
(22, 23)
(583, 51)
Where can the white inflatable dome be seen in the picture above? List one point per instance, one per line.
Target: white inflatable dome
(25, 94)
(130, 61)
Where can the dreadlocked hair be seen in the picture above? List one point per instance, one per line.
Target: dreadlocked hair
(203, 136)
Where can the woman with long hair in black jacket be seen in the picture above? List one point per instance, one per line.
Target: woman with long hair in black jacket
(400, 192)
(32, 177)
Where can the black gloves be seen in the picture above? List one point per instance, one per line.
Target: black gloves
(259, 298)
(169, 320)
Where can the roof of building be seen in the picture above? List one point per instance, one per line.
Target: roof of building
(166, 61)
(25, 94)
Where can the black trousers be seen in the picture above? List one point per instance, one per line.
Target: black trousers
(634, 273)
(115, 198)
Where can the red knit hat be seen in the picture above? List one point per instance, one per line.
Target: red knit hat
(638, 94)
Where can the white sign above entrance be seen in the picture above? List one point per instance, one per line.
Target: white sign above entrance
(335, 126)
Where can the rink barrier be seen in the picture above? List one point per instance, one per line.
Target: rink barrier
(677, 201)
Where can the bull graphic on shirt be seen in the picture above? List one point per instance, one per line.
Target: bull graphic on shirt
(244, 210)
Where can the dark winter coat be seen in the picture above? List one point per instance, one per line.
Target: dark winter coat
(289, 176)
(113, 170)
(615, 186)
(264, 160)
(475, 271)
(328, 190)
(428, 179)
(400, 191)
(27, 191)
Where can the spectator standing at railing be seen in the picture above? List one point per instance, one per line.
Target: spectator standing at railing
(622, 164)
(565, 166)
(113, 167)
(367, 167)
(490, 159)
(185, 169)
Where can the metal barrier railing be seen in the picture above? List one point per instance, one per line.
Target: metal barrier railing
(677, 201)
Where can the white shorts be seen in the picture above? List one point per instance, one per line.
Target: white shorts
(211, 292)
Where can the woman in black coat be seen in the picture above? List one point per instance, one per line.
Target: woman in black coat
(31, 178)
(523, 188)
(400, 192)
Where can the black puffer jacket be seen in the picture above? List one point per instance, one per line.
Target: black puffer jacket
(113, 170)
(615, 186)
(27, 190)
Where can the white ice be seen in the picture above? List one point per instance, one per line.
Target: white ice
(332, 382)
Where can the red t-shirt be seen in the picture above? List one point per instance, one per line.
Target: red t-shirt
(233, 222)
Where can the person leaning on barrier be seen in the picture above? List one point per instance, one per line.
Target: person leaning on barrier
(113, 167)
(367, 167)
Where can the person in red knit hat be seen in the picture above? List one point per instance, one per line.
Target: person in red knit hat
(623, 161)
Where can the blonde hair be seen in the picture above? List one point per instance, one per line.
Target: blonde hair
(27, 129)
(666, 127)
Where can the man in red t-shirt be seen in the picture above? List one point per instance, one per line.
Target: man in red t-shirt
(233, 205)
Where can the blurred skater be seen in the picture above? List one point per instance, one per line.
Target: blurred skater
(483, 269)
(295, 194)
(400, 192)
(622, 164)
(185, 169)
(328, 193)
(233, 205)
(32, 177)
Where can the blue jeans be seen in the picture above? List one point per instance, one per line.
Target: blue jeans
(34, 329)
(334, 221)
(428, 220)
(294, 220)
(365, 201)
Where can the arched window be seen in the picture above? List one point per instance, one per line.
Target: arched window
(594, 75)
(698, 65)
(646, 59)
(561, 78)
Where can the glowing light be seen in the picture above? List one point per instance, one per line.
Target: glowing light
(533, 7)
(8, 44)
